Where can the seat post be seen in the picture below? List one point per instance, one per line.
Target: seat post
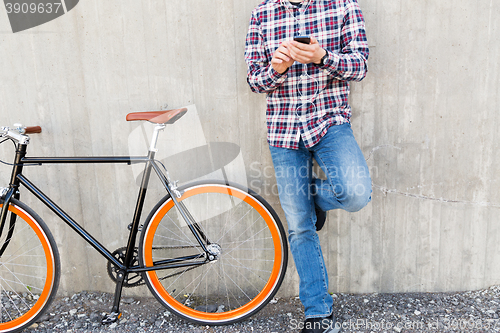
(154, 139)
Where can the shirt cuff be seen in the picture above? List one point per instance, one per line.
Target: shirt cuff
(277, 77)
(331, 62)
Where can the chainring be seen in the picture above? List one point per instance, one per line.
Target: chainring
(132, 279)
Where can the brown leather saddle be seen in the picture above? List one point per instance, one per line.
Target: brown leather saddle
(158, 117)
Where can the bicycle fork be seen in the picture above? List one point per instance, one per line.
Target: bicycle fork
(11, 192)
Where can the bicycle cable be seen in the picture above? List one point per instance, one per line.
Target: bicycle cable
(14, 143)
(13, 164)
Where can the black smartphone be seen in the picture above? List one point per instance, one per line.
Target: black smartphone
(302, 39)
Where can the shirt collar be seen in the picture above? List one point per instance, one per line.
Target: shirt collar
(287, 3)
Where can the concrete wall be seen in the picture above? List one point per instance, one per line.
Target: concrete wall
(426, 118)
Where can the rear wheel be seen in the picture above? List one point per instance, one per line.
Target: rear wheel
(247, 246)
(29, 268)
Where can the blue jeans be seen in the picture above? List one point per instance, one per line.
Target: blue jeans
(348, 187)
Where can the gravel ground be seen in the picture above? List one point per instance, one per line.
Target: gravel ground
(472, 311)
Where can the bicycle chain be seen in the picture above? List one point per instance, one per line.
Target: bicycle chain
(136, 278)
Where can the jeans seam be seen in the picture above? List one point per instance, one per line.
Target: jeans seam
(325, 278)
(327, 177)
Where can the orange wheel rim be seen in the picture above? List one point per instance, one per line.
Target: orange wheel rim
(49, 278)
(229, 315)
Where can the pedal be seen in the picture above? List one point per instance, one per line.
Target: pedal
(111, 318)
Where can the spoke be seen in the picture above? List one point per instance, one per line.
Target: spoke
(227, 288)
(176, 239)
(249, 270)
(12, 226)
(189, 241)
(251, 225)
(232, 226)
(23, 265)
(13, 291)
(239, 287)
(193, 280)
(23, 254)
(32, 276)
(179, 238)
(8, 296)
(180, 275)
(19, 282)
(252, 259)
(22, 284)
(226, 244)
(247, 240)
(190, 216)
(231, 198)
(23, 245)
(201, 279)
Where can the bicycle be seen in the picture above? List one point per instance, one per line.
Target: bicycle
(213, 253)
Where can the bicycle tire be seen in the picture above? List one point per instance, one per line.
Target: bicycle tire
(249, 269)
(29, 268)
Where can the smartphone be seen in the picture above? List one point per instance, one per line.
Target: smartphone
(302, 39)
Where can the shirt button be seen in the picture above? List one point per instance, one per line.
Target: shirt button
(302, 118)
(325, 71)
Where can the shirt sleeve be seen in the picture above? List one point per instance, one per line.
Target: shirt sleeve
(261, 76)
(351, 63)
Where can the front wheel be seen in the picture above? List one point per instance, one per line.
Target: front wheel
(247, 249)
(29, 268)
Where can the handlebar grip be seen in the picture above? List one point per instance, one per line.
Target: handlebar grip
(33, 130)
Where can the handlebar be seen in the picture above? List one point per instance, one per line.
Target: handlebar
(33, 130)
(18, 132)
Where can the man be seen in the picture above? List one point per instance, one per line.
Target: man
(308, 116)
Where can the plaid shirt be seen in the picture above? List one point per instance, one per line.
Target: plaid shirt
(300, 105)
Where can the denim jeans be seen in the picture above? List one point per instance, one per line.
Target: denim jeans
(348, 187)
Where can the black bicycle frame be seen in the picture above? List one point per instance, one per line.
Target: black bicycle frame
(17, 179)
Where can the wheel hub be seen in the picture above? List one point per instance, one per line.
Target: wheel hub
(214, 252)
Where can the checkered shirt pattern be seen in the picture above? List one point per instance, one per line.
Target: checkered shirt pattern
(300, 105)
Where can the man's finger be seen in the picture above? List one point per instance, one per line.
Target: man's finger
(301, 55)
(300, 46)
(282, 56)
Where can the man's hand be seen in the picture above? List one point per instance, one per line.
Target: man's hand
(306, 53)
(282, 60)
